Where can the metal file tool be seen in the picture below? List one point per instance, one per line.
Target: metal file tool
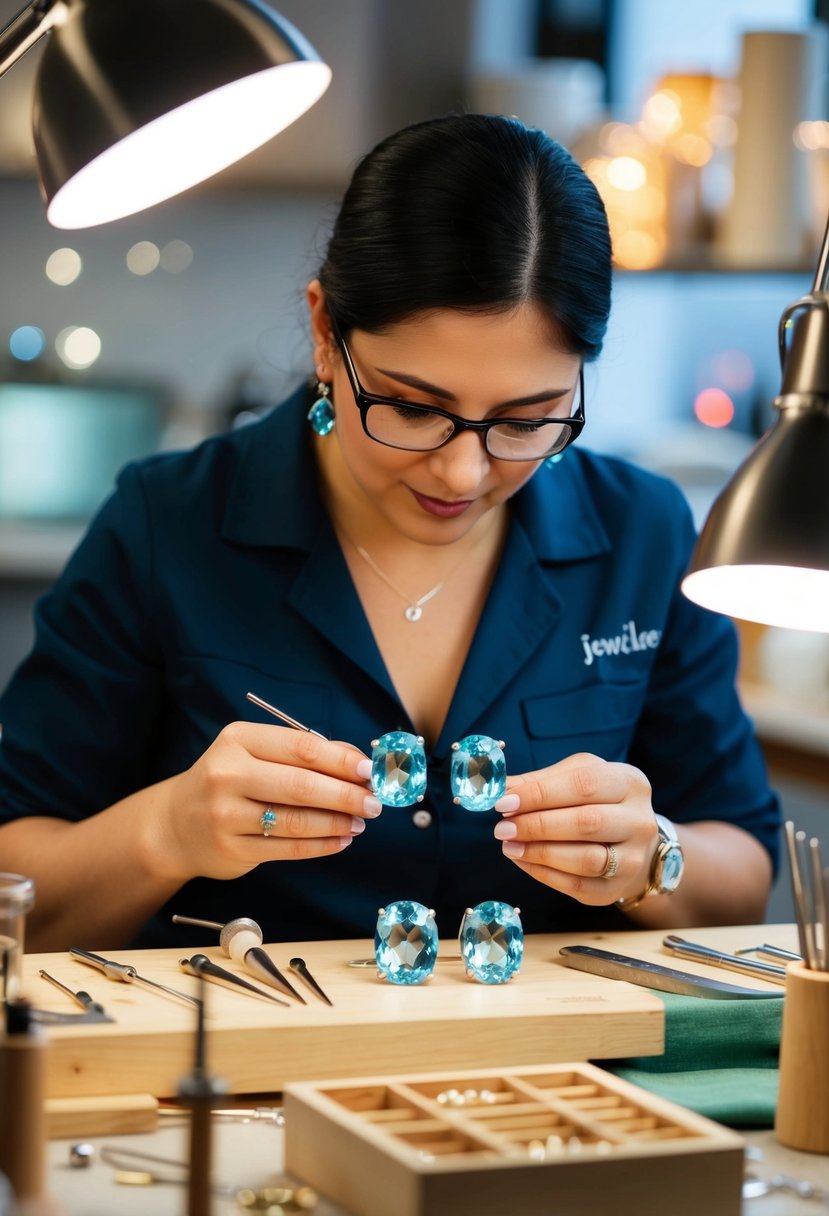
(652, 975)
(126, 973)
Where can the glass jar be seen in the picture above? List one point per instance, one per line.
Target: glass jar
(17, 896)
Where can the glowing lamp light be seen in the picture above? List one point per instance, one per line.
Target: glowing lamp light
(202, 84)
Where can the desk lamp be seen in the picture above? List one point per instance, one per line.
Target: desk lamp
(763, 553)
(137, 100)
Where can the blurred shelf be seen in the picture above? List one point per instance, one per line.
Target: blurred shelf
(36, 551)
(794, 735)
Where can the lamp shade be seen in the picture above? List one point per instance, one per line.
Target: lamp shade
(763, 553)
(136, 100)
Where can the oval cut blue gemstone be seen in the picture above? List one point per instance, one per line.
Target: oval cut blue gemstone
(398, 768)
(405, 942)
(478, 775)
(492, 942)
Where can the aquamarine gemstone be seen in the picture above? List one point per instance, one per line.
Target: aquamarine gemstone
(398, 768)
(406, 942)
(492, 942)
(478, 776)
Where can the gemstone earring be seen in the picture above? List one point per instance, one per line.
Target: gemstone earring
(553, 460)
(398, 768)
(405, 942)
(321, 413)
(478, 775)
(491, 941)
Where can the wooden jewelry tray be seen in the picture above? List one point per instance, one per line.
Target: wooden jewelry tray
(526, 1141)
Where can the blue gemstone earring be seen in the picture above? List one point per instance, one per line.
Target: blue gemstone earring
(491, 941)
(321, 413)
(478, 775)
(406, 942)
(553, 460)
(398, 768)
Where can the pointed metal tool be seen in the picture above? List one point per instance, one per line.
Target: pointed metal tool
(201, 965)
(241, 939)
(301, 968)
(126, 973)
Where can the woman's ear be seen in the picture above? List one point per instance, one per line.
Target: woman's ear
(325, 348)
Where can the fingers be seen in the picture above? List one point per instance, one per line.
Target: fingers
(578, 781)
(300, 749)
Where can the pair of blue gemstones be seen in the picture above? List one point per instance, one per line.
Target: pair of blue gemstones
(478, 774)
(491, 942)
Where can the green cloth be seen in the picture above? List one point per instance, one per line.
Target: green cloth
(720, 1059)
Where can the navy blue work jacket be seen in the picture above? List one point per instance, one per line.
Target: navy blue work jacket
(216, 571)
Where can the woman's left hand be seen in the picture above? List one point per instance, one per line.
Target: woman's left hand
(584, 826)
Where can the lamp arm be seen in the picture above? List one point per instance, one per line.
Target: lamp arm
(27, 28)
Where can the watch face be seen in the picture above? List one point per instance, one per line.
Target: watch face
(671, 870)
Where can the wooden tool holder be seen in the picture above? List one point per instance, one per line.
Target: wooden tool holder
(525, 1141)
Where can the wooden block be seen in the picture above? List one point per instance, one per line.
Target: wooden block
(547, 1013)
(110, 1116)
(631, 1154)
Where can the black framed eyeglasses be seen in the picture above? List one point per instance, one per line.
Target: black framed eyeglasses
(425, 428)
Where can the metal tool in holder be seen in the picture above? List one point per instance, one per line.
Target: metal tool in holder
(772, 972)
(241, 939)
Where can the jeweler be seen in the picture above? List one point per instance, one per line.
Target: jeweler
(418, 540)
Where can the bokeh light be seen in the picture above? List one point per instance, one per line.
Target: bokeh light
(713, 407)
(626, 173)
(176, 256)
(78, 346)
(63, 266)
(27, 343)
(143, 258)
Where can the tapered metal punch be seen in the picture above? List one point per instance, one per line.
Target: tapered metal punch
(299, 966)
(241, 939)
(201, 965)
(126, 973)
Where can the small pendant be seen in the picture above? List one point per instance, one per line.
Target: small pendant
(413, 613)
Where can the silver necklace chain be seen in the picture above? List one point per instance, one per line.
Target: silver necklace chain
(414, 611)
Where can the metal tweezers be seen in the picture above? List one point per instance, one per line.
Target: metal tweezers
(652, 975)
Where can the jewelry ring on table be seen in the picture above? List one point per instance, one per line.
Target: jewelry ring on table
(612, 862)
(267, 820)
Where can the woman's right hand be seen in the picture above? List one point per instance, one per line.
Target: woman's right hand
(205, 822)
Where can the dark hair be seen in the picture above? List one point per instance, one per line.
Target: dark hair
(474, 212)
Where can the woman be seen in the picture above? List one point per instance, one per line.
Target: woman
(400, 569)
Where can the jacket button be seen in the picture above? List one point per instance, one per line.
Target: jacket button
(422, 819)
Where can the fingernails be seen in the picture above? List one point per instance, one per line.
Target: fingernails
(505, 830)
(345, 841)
(358, 825)
(512, 848)
(507, 804)
(372, 806)
(364, 770)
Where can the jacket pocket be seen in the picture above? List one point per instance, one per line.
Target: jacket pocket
(598, 718)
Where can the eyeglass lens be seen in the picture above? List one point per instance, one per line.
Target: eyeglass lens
(418, 430)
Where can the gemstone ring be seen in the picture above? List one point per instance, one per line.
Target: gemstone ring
(267, 820)
(612, 862)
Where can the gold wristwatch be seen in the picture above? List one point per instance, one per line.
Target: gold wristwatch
(666, 869)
